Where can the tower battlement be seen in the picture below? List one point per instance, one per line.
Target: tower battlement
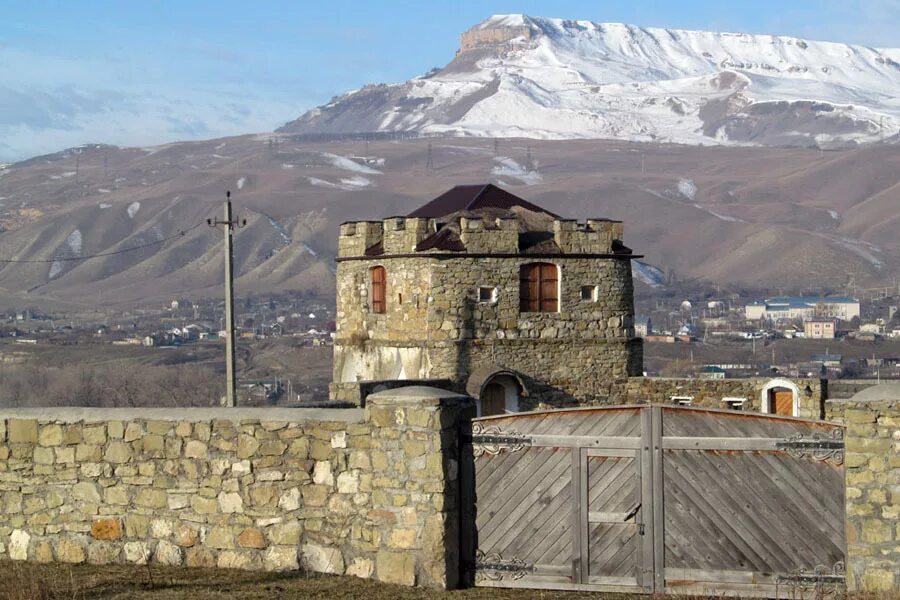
(475, 235)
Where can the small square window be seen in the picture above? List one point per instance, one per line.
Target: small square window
(487, 294)
(588, 293)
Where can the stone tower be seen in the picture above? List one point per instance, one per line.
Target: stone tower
(502, 298)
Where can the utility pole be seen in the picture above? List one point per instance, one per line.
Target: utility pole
(429, 162)
(229, 226)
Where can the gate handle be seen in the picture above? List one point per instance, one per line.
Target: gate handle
(631, 513)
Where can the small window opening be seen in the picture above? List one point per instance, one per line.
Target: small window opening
(488, 294)
(734, 403)
(682, 400)
(589, 293)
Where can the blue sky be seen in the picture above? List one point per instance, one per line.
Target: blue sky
(141, 73)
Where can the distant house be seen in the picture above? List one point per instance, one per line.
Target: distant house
(820, 329)
(827, 360)
(642, 326)
(665, 338)
(712, 372)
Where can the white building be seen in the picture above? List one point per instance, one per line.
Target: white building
(803, 308)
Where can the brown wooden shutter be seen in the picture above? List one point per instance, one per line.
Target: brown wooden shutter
(529, 288)
(379, 291)
(538, 288)
(549, 287)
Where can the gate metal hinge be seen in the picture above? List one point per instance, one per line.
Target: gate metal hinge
(493, 567)
(822, 581)
(492, 440)
(817, 447)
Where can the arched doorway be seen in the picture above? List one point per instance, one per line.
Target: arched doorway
(493, 400)
(496, 390)
(780, 397)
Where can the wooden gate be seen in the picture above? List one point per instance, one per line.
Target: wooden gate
(654, 499)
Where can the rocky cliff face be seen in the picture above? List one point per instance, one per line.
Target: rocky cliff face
(520, 76)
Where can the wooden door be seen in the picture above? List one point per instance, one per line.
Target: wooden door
(781, 402)
(612, 519)
(493, 400)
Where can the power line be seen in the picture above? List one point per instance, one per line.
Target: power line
(181, 233)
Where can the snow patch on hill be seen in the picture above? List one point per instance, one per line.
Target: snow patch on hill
(652, 276)
(687, 188)
(70, 248)
(342, 162)
(133, 209)
(510, 168)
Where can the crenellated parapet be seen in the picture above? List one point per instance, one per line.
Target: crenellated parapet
(495, 236)
(595, 236)
(474, 235)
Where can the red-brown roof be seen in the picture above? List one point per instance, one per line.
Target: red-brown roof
(473, 197)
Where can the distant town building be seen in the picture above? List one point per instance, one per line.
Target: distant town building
(642, 326)
(820, 329)
(803, 308)
(712, 372)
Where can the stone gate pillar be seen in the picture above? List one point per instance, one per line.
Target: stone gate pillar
(415, 484)
(872, 467)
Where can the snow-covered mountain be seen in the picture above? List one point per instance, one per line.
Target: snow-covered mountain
(521, 76)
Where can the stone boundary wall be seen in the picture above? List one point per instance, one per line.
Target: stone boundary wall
(872, 471)
(710, 392)
(368, 493)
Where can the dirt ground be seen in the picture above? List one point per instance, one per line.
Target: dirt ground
(26, 581)
(20, 581)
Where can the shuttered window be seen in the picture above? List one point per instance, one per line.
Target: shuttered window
(379, 290)
(538, 288)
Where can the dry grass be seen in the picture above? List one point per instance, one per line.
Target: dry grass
(23, 581)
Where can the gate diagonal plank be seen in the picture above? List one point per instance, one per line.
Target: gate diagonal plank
(690, 529)
(505, 466)
(618, 483)
(803, 515)
(609, 545)
(506, 499)
(490, 467)
(625, 423)
(491, 501)
(531, 541)
(723, 519)
(490, 470)
(687, 534)
(542, 526)
(797, 518)
(737, 424)
(778, 551)
(519, 496)
(808, 474)
(790, 536)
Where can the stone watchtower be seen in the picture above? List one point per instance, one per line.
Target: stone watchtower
(500, 297)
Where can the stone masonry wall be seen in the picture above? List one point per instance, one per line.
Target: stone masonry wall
(872, 468)
(711, 392)
(371, 495)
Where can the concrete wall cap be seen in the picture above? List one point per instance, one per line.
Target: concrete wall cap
(76, 414)
(878, 393)
(414, 394)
